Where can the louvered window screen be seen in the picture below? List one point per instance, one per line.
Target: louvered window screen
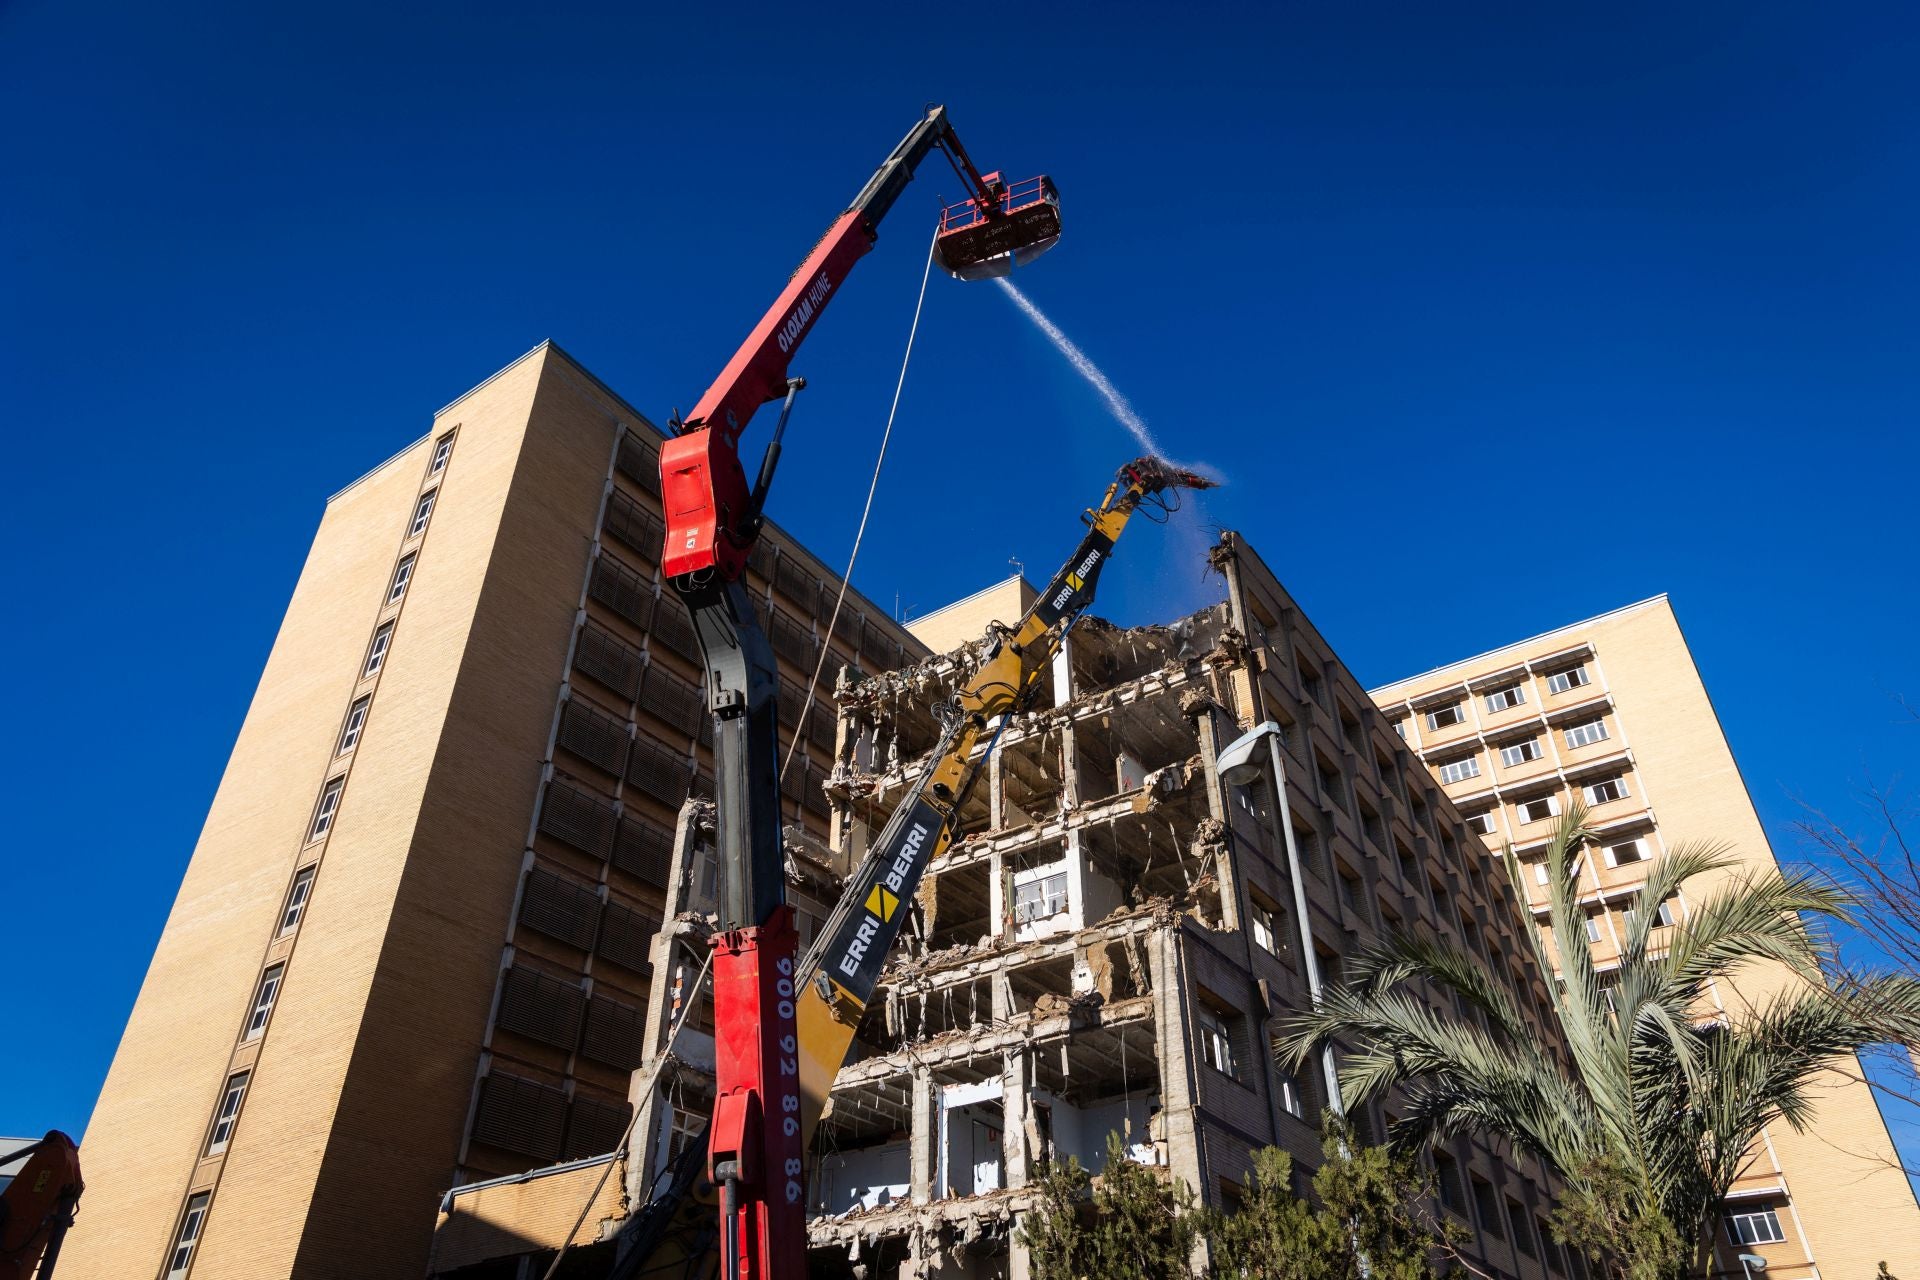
(626, 938)
(636, 526)
(644, 849)
(615, 1033)
(814, 797)
(793, 580)
(820, 721)
(542, 1007)
(673, 700)
(793, 696)
(760, 559)
(612, 662)
(673, 628)
(596, 1127)
(793, 786)
(659, 771)
(581, 818)
(592, 734)
(521, 1115)
(560, 908)
(792, 640)
(639, 463)
(846, 627)
(622, 589)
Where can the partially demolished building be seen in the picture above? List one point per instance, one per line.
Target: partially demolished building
(414, 1009)
(1107, 947)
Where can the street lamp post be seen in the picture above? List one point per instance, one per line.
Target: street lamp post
(1240, 766)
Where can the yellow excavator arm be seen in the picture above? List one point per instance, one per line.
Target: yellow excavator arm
(839, 974)
(672, 1235)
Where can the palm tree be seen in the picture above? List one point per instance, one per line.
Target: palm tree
(1653, 1107)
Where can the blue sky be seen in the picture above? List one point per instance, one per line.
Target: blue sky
(1425, 281)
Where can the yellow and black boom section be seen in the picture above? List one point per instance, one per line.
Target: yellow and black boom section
(839, 975)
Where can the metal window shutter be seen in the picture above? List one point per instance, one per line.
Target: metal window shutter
(560, 908)
(636, 526)
(520, 1115)
(577, 816)
(621, 589)
(792, 640)
(542, 1007)
(793, 580)
(626, 938)
(638, 462)
(659, 772)
(595, 1127)
(821, 726)
(610, 661)
(594, 735)
(615, 1033)
(644, 849)
(846, 627)
(677, 702)
(673, 627)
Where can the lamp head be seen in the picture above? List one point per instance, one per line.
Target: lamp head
(1242, 761)
(1753, 1262)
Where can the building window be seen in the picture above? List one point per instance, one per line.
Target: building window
(1481, 823)
(1292, 1101)
(323, 814)
(1761, 1226)
(401, 576)
(441, 452)
(1541, 871)
(1039, 899)
(1400, 727)
(1521, 752)
(1460, 770)
(421, 514)
(263, 1002)
(1571, 678)
(296, 901)
(377, 651)
(229, 1112)
(1540, 810)
(1504, 699)
(1663, 915)
(1606, 789)
(1445, 717)
(356, 721)
(1585, 735)
(1593, 927)
(190, 1224)
(1216, 1038)
(1488, 1207)
(1264, 927)
(1446, 1171)
(1628, 851)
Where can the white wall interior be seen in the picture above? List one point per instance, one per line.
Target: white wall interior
(971, 1124)
(866, 1178)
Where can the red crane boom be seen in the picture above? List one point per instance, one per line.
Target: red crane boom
(755, 1145)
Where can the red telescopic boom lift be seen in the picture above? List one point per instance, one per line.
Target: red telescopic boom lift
(756, 1151)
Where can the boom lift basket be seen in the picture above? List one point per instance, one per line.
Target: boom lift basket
(974, 244)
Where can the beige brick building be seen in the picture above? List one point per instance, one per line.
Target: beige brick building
(1612, 712)
(454, 889)
(413, 945)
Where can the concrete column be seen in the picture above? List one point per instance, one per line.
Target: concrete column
(1179, 1094)
(921, 1142)
(1015, 1083)
(997, 897)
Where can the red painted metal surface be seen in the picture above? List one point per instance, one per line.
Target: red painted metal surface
(756, 1116)
(38, 1204)
(704, 489)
